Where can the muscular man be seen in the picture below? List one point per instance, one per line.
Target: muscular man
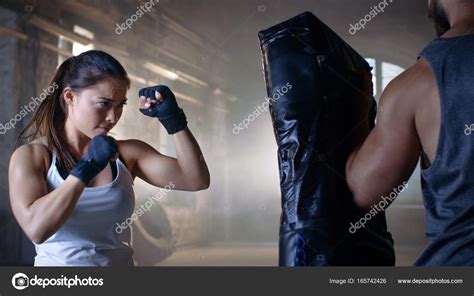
(427, 112)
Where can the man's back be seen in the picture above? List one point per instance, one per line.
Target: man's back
(409, 124)
(443, 118)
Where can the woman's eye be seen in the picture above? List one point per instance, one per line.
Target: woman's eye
(104, 104)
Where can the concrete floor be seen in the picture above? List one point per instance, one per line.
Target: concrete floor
(252, 255)
(406, 224)
(225, 255)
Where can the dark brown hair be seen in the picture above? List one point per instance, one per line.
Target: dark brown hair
(77, 72)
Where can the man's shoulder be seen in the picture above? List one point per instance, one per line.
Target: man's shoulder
(412, 87)
(417, 78)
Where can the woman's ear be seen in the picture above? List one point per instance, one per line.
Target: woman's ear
(68, 96)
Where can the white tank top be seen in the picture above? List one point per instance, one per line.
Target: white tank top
(88, 238)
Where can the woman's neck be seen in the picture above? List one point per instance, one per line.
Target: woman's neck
(77, 142)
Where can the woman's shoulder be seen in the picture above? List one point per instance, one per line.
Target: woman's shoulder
(129, 144)
(131, 150)
(34, 154)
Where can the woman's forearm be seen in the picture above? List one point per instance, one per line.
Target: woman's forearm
(191, 160)
(48, 213)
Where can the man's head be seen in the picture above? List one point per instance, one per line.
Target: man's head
(437, 12)
(449, 13)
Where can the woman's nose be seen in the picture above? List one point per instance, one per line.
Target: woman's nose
(112, 116)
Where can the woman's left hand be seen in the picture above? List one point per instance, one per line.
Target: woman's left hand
(160, 102)
(145, 103)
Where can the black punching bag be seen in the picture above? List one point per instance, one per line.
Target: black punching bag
(314, 79)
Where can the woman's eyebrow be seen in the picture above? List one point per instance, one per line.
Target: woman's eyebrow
(112, 100)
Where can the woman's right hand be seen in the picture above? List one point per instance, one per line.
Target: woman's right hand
(101, 150)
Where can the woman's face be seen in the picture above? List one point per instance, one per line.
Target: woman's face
(96, 110)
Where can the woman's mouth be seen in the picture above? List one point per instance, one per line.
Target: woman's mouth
(104, 129)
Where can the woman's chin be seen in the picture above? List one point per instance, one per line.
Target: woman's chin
(102, 131)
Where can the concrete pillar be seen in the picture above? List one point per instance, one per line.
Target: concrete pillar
(26, 70)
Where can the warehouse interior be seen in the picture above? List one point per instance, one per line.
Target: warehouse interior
(207, 51)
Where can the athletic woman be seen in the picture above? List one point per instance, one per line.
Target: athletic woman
(71, 184)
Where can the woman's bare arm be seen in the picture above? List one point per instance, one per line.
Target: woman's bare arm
(39, 213)
(188, 172)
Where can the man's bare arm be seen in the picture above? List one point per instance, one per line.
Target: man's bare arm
(391, 151)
